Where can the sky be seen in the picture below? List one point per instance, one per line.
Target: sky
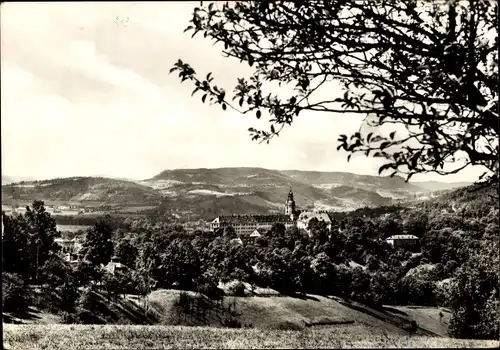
(86, 91)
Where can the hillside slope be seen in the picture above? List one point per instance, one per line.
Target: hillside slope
(279, 312)
(354, 194)
(348, 179)
(82, 189)
(265, 188)
(439, 186)
(205, 193)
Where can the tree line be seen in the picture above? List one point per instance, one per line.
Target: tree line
(456, 267)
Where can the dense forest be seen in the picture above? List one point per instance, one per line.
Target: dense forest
(457, 267)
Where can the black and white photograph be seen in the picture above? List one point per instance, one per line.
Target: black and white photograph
(250, 174)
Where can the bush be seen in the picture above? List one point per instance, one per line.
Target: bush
(289, 326)
(231, 322)
(211, 290)
(15, 293)
(68, 317)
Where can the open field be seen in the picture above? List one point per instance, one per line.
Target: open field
(310, 321)
(286, 312)
(179, 337)
(259, 312)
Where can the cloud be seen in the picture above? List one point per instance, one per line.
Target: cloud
(86, 90)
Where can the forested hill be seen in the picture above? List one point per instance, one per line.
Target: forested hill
(205, 193)
(81, 190)
(468, 201)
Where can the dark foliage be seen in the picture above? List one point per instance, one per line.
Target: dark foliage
(428, 71)
(15, 293)
(457, 267)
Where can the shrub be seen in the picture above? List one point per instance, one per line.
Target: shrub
(231, 322)
(289, 326)
(68, 317)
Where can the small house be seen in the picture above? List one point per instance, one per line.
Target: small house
(403, 241)
(115, 266)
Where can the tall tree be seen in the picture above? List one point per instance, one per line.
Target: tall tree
(178, 263)
(97, 248)
(29, 241)
(474, 295)
(15, 258)
(425, 72)
(126, 253)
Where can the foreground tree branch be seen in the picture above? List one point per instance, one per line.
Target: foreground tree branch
(430, 67)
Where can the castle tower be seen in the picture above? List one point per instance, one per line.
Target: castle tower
(290, 204)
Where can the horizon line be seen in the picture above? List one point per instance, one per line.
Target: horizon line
(30, 178)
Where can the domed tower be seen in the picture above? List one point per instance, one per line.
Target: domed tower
(290, 204)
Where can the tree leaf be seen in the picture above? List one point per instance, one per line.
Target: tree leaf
(258, 114)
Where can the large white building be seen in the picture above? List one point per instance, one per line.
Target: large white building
(403, 241)
(306, 216)
(247, 224)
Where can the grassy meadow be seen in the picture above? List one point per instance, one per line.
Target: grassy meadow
(69, 337)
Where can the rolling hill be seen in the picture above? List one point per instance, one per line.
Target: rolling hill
(268, 189)
(209, 192)
(439, 186)
(332, 179)
(359, 194)
(82, 190)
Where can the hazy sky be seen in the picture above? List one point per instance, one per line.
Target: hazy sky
(85, 90)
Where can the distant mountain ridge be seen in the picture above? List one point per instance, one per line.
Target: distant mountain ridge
(8, 179)
(350, 179)
(217, 191)
(83, 189)
(437, 185)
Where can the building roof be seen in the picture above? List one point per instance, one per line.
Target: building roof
(241, 219)
(258, 232)
(308, 215)
(402, 237)
(65, 240)
(113, 266)
(236, 240)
